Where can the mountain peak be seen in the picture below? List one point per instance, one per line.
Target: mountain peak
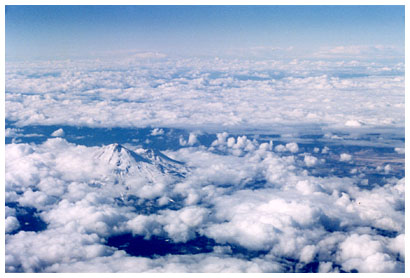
(119, 156)
(124, 160)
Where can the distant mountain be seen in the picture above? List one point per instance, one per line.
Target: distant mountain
(146, 164)
(137, 178)
(166, 164)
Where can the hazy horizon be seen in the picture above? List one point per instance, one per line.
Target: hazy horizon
(63, 32)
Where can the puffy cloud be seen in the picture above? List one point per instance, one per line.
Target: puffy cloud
(206, 93)
(192, 139)
(325, 149)
(252, 196)
(365, 254)
(31, 252)
(58, 133)
(397, 245)
(157, 131)
(353, 123)
(325, 267)
(307, 254)
(119, 262)
(291, 147)
(280, 148)
(291, 215)
(11, 224)
(345, 157)
(399, 150)
(310, 160)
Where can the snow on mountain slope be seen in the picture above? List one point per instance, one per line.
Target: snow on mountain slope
(125, 161)
(119, 156)
(144, 174)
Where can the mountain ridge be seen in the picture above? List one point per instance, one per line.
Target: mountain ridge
(124, 160)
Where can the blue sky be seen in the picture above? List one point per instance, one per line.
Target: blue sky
(75, 31)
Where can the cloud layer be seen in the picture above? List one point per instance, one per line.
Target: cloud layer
(261, 202)
(218, 93)
(240, 193)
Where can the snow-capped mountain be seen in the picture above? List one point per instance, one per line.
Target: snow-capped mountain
(163, 162)
(120, 158)
(146, 166)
